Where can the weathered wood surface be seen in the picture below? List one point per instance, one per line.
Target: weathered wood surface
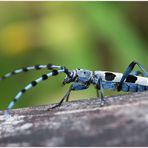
(80, 123)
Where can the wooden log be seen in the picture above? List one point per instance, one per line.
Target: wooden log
(80, 123)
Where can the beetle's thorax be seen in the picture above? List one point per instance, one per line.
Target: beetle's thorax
(83, 75)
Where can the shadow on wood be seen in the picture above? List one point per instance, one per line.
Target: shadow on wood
(80, 123)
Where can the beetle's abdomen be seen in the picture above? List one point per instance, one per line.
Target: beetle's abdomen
(126, 87)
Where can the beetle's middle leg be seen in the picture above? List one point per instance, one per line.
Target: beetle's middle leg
(100, 93)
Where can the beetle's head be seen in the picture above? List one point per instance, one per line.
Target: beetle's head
(70, 78)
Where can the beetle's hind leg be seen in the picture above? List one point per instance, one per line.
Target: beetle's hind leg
(129, 70)
(137, 73)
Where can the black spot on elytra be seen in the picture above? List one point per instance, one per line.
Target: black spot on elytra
(109, 76)
(131, 79)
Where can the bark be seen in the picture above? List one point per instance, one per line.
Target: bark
(80, 123)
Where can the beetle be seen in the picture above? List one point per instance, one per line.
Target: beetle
(127, 81)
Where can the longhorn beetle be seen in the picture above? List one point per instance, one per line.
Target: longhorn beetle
(127, 81)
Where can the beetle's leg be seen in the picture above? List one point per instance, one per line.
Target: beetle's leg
(97, 91)
(62, 100)
(100, 92)
(97, 87)
(137, 73)
(67, 98)
(75, 87)
(128, 71)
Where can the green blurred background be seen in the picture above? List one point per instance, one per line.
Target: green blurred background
(91, 35)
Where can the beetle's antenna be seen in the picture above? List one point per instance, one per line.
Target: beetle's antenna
(29, 68)
(32, 84)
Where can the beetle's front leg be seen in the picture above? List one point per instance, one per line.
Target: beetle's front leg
(77, 86)
(62, 100)
(74, 87)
